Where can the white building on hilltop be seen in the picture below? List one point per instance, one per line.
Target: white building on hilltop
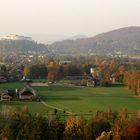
(15, 37)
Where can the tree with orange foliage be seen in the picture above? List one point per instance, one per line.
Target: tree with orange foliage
(73, 129)
(52, 76)
(104, 136)
(132, 131)
(131, 79)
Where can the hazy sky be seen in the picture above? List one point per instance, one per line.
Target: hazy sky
(66, 17)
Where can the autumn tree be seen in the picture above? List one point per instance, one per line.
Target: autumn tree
(73, 129)
(52, 76)
(35, 71)
(131, 79)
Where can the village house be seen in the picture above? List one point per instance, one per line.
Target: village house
(8, 95)
(26, 94)
(3, 79)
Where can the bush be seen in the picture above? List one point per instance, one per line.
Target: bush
(83, 82)
(19, 124)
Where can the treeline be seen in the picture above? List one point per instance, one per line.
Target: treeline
(21, 125)
(53, 71)
(12, 73)
(132, 80)
(106, 71)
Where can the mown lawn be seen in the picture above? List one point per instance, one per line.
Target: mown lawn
(13, 86)
(87, 99)
(76, 99)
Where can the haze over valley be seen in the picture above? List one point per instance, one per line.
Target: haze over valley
(69, 69)
(124, 41)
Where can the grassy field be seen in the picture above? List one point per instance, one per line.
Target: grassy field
(12, 86)
(87, 99)
(76, 99)
(34, 107)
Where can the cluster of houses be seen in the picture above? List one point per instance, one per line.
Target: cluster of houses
(23, 94)
(83, 81)
(3, 79)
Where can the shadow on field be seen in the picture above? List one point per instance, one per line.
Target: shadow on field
(56, 88)
(60, 98)
(61, 88)
(94, 96)
(9, 103)
(116, 85)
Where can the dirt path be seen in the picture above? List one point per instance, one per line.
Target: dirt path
(53, 107)
(47, 105)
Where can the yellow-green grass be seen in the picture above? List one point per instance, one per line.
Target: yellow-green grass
(76, 99)
(13, 86)
(87, 99)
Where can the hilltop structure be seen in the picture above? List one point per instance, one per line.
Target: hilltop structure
(15, 37)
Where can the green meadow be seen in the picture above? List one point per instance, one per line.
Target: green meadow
(34, 106)
(87, 99)
(81, 100)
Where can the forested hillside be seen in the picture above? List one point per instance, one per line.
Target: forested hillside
(124, 40)
(7, 46)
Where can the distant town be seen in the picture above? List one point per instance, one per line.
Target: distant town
(70, 90)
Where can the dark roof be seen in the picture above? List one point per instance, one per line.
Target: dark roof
(26, 93)
(3, 79)
(9, 92)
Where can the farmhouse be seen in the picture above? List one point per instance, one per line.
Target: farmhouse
(5, 97)
(8, 95)
(3, 79)
(26, 94)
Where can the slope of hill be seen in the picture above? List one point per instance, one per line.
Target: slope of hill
(76, 37)
(125, 40)
(17, 43)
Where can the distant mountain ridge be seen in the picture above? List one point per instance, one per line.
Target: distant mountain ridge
(22, 44)
(77, 37)
(125, 40)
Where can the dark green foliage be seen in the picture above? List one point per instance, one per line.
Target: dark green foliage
(21, 125)
(74, 70)
(36, 71)
(100, 122)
